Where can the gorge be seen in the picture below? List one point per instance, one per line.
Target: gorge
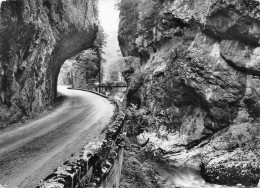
(193, 69)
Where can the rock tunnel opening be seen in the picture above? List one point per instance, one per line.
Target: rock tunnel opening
(33, 50)
(72, 45)
(81, 71)
(86, 69)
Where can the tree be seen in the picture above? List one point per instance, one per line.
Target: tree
(99, 44)
(121, 64)
(100, 41)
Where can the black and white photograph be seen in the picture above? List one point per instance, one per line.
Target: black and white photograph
(129, 93)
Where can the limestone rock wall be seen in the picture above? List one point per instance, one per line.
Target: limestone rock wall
(36, 37)
(199, 81)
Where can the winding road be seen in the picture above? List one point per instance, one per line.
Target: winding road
(30, 152)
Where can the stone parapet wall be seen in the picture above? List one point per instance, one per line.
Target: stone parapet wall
(99, 163)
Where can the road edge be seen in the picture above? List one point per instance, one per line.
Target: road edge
(99, 163)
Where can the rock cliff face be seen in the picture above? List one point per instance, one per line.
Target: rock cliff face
(36, 37)
(200, 79)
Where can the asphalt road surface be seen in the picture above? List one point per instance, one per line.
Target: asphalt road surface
(30, 152)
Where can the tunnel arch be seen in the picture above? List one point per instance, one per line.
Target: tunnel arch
(39, 41)
(70, 46)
